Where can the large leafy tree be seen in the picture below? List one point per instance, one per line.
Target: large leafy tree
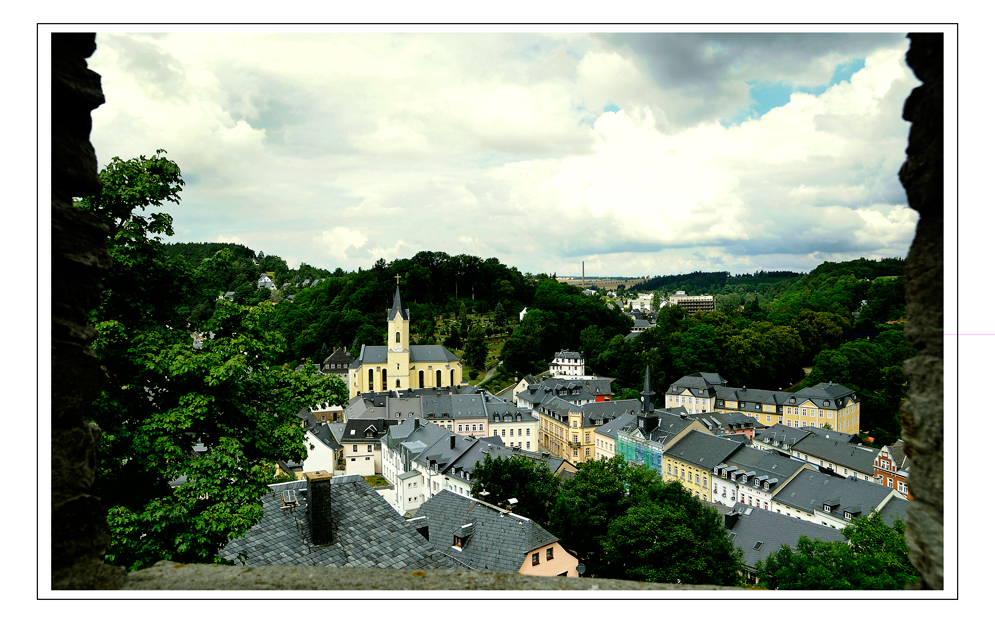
(527, 480)
(190, 434)
(875, 558)
(625, 523)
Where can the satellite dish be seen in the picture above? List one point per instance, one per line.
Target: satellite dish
(581, 569)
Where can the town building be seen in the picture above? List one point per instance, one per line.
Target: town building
(892, 466)
(836, 502)
(606, 435)
(400, 365)
(567, 363)
(760, 533)
(752, 477)
(693, 304)
(826, 404)
(325, 521)
(831, 452)
(338, 364)
(483, 537)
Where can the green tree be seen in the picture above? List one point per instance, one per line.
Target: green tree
(500, 316)
(212, 420)
(527, 480)
(475, 353)
(875, 558)
(585, 508)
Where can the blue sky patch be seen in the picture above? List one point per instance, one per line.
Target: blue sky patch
(611, 108)
(766, 96)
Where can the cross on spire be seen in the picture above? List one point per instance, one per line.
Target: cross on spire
(398, 277)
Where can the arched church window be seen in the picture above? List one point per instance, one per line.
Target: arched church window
(397, 337)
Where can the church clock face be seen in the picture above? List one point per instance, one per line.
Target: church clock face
(397, 348)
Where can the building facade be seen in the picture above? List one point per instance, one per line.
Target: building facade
(825, 405)
(399, 365)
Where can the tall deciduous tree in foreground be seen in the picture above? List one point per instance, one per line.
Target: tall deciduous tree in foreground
(212, 420)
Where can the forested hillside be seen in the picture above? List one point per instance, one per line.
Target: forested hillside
(767, 327)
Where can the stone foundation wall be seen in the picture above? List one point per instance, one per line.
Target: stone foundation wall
(922, 411)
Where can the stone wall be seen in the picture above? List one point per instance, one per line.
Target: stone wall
(922, 411)
(79, 257)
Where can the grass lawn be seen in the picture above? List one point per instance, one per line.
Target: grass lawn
(376, 481)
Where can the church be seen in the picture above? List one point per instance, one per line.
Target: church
(400, 365)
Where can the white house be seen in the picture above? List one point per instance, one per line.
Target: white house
(567, 363)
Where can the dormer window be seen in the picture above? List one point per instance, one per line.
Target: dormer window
(827, 508)
(756, 483)
(766, 486)
(846, 515)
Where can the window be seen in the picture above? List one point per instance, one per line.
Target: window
(397, 337)
(519, 432)
(527, 432)
(535, 559)
(355, 448)
(504, 432)
(890, 481)
(901, 487)
(768, 418)
(549, 553)
(575, 451)
(587, 437)
(460, 427)
(369, 448)
(528, 445)
(587, 452)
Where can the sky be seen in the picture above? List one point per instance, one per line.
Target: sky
(636, 153)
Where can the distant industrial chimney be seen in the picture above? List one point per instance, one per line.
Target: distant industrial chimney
(319, 507)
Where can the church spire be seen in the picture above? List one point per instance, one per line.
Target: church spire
(647, 394)
(398, 306)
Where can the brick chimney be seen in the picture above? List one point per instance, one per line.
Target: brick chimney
(319, 507)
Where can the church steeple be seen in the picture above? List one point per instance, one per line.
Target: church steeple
(647, 394)
(398, 307)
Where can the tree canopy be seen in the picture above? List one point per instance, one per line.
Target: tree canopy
(192, 424)
(876, 557)
(625, 523)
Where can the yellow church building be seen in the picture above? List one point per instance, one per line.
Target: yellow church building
(399, 365)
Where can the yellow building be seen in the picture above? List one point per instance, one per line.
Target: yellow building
(824, 404)
(400, 365)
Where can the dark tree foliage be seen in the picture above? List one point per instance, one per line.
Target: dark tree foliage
(558, 315)
(212, 420)
(625, 523)
(475, 353)
(876, 558)
(520, 477)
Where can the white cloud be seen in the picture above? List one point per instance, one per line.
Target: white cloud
(498, 145)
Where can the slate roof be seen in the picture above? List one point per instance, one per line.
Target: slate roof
(324, 434)
(568, 354)
(398, 307)
(772, 530)
(368, 533)
(594, 412)
(808, 492)
(725, 421)
(611, 428)
(785, 436)
(833, 435)
(498, 540)
(773, 466)
(893, 509)
(702, 449)
(713, 384)
(339, 355)
(853, 457)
